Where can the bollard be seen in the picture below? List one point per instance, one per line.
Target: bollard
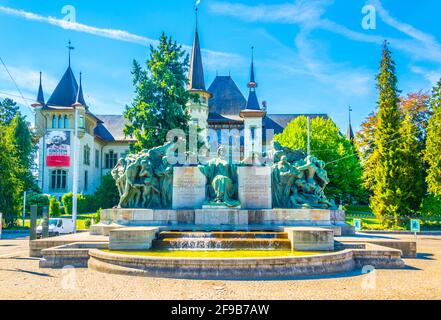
(33, 227)
(45, 224)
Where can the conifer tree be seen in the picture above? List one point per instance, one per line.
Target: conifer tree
(385, 201)
(432, 154)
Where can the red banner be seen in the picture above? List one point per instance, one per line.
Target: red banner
(58, 149)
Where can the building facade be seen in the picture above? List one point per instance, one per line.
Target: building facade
(101, 138)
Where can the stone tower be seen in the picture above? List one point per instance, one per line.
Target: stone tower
(198, 107)
(253, 116)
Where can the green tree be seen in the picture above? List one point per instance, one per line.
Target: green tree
(54, 207)
(432, 154)
(411, 171)
(24, 150)
(386, 201)
(365, 145)
(11, 187)
(161, 96)
(8, 110)
(329, 145)
(107, 196)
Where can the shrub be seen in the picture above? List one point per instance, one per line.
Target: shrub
(87, 223)
(54, 207)
(106, 196)
(431, 206)
(97, 216)
(85, 203)
(37, 199)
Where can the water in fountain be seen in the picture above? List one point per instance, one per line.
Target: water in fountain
(170, 240)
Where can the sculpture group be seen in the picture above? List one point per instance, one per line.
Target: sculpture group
(145, 180)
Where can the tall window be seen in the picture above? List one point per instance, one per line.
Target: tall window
(111, 159)
(87, 155)
(54, 122)
(60, 122)
(97, 158)
(86, 180)
(66, 122)
(58, 180)
(81, 122)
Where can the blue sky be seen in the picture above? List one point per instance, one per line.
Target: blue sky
(311, 56)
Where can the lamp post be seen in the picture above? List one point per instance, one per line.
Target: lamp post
(75, 172)
(309, 135)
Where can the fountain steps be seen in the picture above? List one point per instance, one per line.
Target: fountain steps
(224, 235)
(222, 241)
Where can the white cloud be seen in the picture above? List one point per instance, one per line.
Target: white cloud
(211, 58)
(433, 76)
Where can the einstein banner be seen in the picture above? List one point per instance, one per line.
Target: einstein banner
(58, 149)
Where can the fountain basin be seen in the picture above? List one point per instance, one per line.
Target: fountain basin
(245, 268)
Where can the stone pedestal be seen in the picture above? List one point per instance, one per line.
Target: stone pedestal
(255, 187)
(311, 238)
(103, 229)
(136, 238)
(217, 217)
(188, 188)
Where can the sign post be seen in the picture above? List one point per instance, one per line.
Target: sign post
(357, 224)
(24, 208)
(415, 226)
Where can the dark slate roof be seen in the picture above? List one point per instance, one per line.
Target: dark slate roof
(278, 122)
(253, 102)
(218, 118)
(40, 94)
(80, 95)
(65, 94)
(196, 72)
(350, 133)
(110, 129)
(227, 98)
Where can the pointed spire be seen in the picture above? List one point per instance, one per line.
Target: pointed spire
(253, 102)
(196, 72)
(70, 48)
(350, 133)
(80, 97)
(40, 95)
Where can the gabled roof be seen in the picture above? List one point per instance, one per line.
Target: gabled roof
(65, 94)
(196, 72)
(227, 98)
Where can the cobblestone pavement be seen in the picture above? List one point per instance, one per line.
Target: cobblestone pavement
(21, 278)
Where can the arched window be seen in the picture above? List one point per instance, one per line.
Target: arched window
(60, 122)
(58, 180)
(54, 122)
(66, 122)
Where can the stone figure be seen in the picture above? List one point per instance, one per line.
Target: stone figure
(221, 181)
(144, 180)
(165, 174)
(298, 181)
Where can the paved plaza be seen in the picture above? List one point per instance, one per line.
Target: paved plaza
(21, 278)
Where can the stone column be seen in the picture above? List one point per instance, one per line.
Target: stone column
(33, 226)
